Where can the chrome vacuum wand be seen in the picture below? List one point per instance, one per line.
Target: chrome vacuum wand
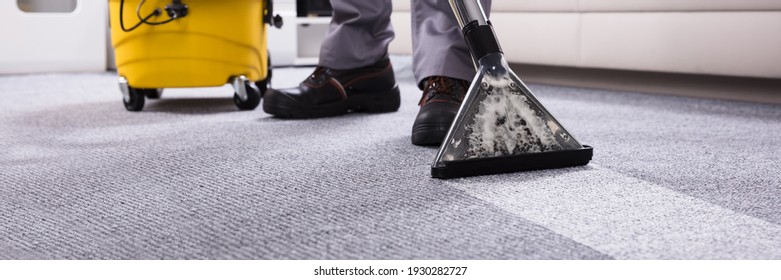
(470, 15)
(501, 126)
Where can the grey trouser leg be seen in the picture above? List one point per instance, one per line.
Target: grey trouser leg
(438, 47)
(359, 34)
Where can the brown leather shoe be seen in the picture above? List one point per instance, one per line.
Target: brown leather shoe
(442, 97)
(329, 92)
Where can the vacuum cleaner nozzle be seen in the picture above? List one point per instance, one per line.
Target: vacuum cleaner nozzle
(501, 126)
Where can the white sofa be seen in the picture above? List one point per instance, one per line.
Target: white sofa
(712, 37)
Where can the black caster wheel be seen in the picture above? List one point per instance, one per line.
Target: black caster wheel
(153, 93)
(134, 101)
(253, 97)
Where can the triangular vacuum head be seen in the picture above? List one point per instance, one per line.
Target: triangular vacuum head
(501, 126)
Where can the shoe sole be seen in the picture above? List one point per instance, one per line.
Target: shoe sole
(383, 102)
(429, 134)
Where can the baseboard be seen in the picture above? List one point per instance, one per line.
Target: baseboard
(704, 86)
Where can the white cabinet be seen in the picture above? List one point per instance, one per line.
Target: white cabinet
(298, 41)
(46, 40)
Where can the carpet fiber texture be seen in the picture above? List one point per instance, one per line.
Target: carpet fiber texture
(191, 177)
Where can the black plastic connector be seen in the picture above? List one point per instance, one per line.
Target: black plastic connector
(481, 39)
(277, 22)
(176, 9)
(269, 17)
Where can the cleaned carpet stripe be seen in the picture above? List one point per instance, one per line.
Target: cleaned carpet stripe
(629, 218)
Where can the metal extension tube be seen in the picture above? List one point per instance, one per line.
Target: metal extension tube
(468, 11)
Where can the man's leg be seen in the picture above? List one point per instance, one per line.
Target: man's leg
(442, 65)
(359, 34)
(354, 72)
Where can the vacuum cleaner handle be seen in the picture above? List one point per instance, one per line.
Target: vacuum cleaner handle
(476, 27)
(468, 11)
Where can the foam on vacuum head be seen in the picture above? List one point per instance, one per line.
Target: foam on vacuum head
(506, 123)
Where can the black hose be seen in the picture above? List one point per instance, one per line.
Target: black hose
(144, 20)
(157, 12)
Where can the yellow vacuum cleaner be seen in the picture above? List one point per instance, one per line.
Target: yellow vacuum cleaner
(201, 43)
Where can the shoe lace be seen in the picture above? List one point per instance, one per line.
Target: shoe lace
(439, 85)
(319, 74)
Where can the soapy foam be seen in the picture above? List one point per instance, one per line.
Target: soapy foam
(507, 124)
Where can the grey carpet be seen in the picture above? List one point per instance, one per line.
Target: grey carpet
(193, 178)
